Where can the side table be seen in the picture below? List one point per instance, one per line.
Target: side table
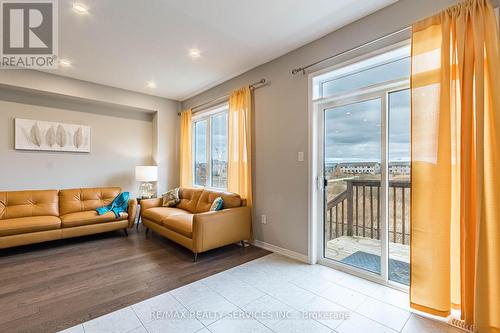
(139, 211)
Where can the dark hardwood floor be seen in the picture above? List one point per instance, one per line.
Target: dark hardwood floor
(52, 286)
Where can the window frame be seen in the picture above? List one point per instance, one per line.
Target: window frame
(207, 115)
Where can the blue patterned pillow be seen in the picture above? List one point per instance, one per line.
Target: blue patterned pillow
(217, 204)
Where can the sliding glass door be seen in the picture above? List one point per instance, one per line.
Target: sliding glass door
(364, 124)
(366, 168)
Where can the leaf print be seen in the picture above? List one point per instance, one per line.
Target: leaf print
(78, 138)
(50, 136)
(36, 135)
(61, 136)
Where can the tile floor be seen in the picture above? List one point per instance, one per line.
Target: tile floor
(271, 294)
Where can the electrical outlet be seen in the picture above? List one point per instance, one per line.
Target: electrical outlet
(300, 156)
(263, 219)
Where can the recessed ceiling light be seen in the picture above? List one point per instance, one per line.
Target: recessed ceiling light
(80, 8)
(151, 85)
(194, 53)
(65, 62)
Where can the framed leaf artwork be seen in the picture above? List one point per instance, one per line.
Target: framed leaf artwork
(51, 136)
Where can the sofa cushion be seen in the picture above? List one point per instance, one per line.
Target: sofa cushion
(230, 200)
(86, 199)
(89, 217)
(170, 198)
(16, 204)
(183, 224)
(189, 198)
(25, 225)
(156, 214)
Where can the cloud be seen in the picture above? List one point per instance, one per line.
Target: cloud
(353, 132)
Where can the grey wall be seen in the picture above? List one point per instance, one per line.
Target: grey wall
(281, 121)
(128, 129)
(117, 146)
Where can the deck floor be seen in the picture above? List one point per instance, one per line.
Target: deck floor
(344, 246)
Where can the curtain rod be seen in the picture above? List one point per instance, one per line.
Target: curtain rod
(303, 69)
(255, 85)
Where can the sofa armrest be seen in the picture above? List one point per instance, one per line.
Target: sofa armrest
(132, 212)
(150, 203)
(215, 229)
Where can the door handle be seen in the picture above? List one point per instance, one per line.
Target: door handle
(321, 180)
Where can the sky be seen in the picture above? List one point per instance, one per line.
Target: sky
(386, 71)
(218, 137)
(352, 132)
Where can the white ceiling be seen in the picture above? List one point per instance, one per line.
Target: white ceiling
(126, 43)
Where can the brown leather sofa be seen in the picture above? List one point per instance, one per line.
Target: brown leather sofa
(28, 217)
(191, 224)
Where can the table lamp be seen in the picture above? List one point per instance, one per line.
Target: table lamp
(146, 175)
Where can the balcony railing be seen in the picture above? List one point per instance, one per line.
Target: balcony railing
(356, 211)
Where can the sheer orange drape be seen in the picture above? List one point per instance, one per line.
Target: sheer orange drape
(455, 242)
(239, 173)
(185, 150)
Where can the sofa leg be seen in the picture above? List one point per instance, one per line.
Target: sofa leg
(242, 243)
(195, 257)
(147, 232)
(126, 232)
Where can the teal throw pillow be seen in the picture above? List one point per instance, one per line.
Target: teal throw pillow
(217, 204)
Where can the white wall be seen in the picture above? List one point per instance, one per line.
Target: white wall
(128, 129)
(281, 121)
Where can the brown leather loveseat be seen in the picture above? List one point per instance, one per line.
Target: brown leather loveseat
(28, 217)
(191, 224)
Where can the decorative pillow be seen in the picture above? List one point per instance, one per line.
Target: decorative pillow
(217, 204)
(171, 198)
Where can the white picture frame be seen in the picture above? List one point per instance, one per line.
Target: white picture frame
(39, 135)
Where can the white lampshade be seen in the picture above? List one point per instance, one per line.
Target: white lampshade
(146, 173)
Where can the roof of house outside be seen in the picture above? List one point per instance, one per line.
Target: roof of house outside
(350, 164)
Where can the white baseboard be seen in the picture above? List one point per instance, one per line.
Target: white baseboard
(276, 249)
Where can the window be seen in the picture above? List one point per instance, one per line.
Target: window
(384, 68)
(210, 148)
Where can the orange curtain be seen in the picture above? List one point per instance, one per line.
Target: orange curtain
(455, 232)
(239, 173)
(185, 150)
